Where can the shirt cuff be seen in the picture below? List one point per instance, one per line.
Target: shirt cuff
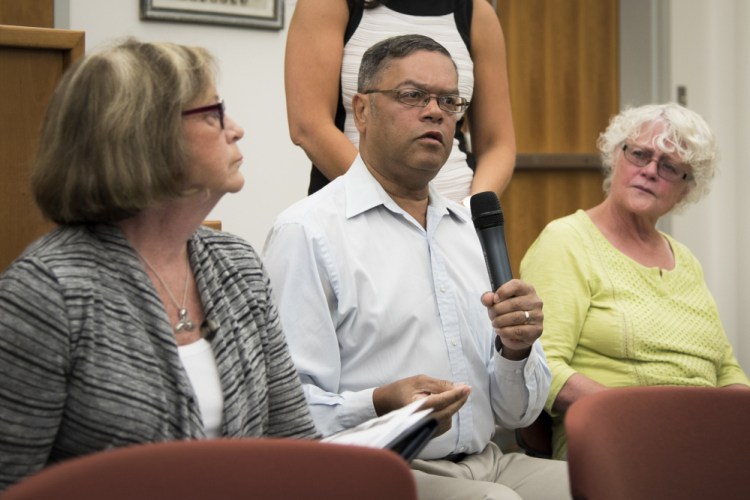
(359, 407)
(511, 369)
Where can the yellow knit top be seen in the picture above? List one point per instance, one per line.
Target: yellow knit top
(620, 323)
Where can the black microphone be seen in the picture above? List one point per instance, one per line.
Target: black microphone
(488, 221)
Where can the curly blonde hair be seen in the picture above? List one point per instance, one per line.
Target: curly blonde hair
(685, 133)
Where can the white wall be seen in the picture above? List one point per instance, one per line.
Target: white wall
(704, 46)
(251, 81)
(742, 134)
(709, 55)
(644, 48)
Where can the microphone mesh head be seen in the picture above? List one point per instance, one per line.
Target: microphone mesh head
(485, 210)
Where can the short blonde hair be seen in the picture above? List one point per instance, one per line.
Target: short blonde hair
(112, 139)
(685, 133)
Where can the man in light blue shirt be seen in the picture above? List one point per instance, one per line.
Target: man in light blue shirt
(378, 279)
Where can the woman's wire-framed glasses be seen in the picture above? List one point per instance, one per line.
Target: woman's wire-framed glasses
(641, 157)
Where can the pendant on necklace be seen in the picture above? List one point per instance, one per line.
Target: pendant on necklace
(184, 323)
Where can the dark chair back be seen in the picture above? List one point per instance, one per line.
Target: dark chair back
(660, 443)
(224, 469)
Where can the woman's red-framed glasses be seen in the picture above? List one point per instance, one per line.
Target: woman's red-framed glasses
(217, 108)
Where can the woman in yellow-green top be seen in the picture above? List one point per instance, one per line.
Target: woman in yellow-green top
(625, 304)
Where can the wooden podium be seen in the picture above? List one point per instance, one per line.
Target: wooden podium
(32, 62)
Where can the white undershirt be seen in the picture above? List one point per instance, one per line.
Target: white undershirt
(200, 365)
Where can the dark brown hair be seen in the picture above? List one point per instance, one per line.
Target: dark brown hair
(376, 58)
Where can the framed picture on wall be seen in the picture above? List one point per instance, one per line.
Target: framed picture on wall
(267, 14)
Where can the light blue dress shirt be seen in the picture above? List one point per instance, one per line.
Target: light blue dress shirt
(367, 296)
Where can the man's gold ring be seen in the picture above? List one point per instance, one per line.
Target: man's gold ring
(528, 318)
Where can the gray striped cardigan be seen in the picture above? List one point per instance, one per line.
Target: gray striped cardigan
(88, 359)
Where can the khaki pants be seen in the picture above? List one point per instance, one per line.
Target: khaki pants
(492, 475)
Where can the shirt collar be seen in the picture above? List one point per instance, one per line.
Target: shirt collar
(363, 193)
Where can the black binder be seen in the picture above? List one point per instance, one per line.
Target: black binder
(404, 431)
(409, 443)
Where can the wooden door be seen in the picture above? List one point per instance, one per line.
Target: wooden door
(563, 72)
(32, 62)
(37, 13)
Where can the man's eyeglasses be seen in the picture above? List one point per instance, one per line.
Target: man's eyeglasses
(641, 157)
(419, 98)
(217, 109)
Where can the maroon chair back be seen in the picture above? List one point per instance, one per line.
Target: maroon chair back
(660, 443)
(224, 469)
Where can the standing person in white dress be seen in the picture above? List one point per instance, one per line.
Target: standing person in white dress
(325, 44)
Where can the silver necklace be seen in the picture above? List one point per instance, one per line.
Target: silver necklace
(184, 323)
